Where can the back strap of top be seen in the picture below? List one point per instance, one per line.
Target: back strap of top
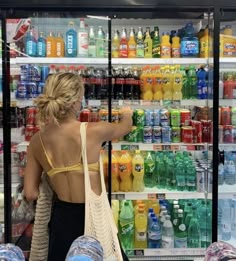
(45, 152)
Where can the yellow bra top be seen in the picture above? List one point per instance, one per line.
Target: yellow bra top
(76, 167)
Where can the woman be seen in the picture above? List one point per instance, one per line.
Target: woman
(56, 150)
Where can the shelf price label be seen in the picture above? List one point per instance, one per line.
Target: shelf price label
(156, 103)
(175, 147)
(129, 147)
(139, 252)
(126, 102)
(118, 196)
(166, 147)
(176, 103)
(157, 147)
(134, 147)
(167, 103)
(190, 147)
(94, 103)
(146, 103)
(156, 196)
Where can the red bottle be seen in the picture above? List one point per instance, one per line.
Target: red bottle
(123, 45)
(229, 86)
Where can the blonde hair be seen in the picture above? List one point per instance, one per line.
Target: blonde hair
(60, 93)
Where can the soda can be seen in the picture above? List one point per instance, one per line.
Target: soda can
(156, 117)
(139, 117)
(206, 130)
(228, 134)
(197, 131)
(30, 116)
(221, 133)
(85, 115)
(185, 117)
(156, 134)
(147, 134)
(176, 134)
(175, 118)
(35, 73)
(233, 116)
(148, 121)
(132, 135)
(164, 117)
(200, 172)
(166, 134)
(103, 115)
(225, 116)
(21, 91)
(44, 72)
(29, 132)
(187, 134)
(32, 89)
(24, 72)
(40, 87)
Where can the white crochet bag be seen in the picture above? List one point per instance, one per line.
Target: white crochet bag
(99, 221)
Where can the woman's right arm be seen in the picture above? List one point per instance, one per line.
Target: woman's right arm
(109, 131)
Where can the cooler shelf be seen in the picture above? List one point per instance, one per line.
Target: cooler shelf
(150, 193)
(227, 191)
(227, 147)
(104, 61)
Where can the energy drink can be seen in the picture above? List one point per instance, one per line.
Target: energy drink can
(147, 134)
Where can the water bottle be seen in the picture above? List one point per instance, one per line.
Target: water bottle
(71, 41)
(180, 176)
(230, 171)
(219, 219)
(233, 218)
(167, 238)
(126, 226)
(226, 220)
(154, 234)
(194, 231)
(162, 217)
(41, 46)
(221, 174)
(30, 44)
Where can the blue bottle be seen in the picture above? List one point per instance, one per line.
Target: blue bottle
(154, 234)
(41, 46)
(71, 41)
(202, 84)
(189, 43)
(30, 44)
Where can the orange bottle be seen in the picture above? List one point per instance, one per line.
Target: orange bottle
(132, 45)
(60, 45)
(51, 45)
(123, 45)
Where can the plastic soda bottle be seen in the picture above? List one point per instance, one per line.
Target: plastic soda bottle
(185, 87)
(177, 84)
(180, 240)
(167, 238)
(82, 39)
(115, 45)
(125, 169)
(138, 203)
(115, 186)
(140, 240)
(157, 83)
(156, 44)
(51, 45)
(165, 45)
(191, 178)
(226, 220)
(123, 45)
(31, 44)
(194, 231)
(131, 45)
(149, 167)
(148, 44)
(100, 44)
(41, 45)
(91, 43)
(71, 41)
(138, 171)
(140, 44)
(167, 83)
(205, 227)
(154, 233)
(126, 226)
(192, 80)
(175, 47)
(60, 45)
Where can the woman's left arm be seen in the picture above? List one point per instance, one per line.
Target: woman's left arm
(32, 175)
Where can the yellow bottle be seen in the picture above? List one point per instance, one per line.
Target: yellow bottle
(132, 45)
(148, 80)
(175, 47)
(155, 206)
(142, 78)
(147, 44)
(177, 84)
(157, 83)
(115, 210)
(167, 83)
(115, 182)
(136, 207)
(115, 45)
(51, 45)
(105, 164)
(140, 240)
(229, 42)
(60, 45)
(125, 169)
(138, 171)
(221, 43)
(165, 46)
(206, 44)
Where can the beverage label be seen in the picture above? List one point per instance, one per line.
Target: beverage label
(165, 51)
(83, 43)
(140, 50)
(182, 227)
(141, 236)
(91, 51)
(167, 242)
(154, 235)
(189, 47)
(123, 50)
(125, 167)
(127, 228)
(175, 52)
(138, 167)
(180, 242)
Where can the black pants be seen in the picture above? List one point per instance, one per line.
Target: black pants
(67, 223)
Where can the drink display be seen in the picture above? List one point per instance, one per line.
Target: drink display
(147, 229)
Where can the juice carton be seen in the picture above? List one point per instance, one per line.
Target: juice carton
(125, 169)
(138, 171)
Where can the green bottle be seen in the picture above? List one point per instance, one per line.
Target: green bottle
(194, 231)
(180, 231)
(140, 44)
(161, 175)
(149, 168)
(191, 178)
(156, 43)
(185, 87)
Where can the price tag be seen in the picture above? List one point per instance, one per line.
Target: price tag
(152, 196)
(190, 147)
(157, 147)
(176, 103)
(127, 102)
(120, 102)
(139, 252)
(200, 147)
(157, 103)
(94, 103)
(125, 147)
(166, 147)
(115, 103)
(120, 196)
(167, 103)
(146, 103)
(161, 196)
(134, 147)
(174, 147)
(104, 102)
(136, 102)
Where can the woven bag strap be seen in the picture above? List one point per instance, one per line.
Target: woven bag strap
(83, 127)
